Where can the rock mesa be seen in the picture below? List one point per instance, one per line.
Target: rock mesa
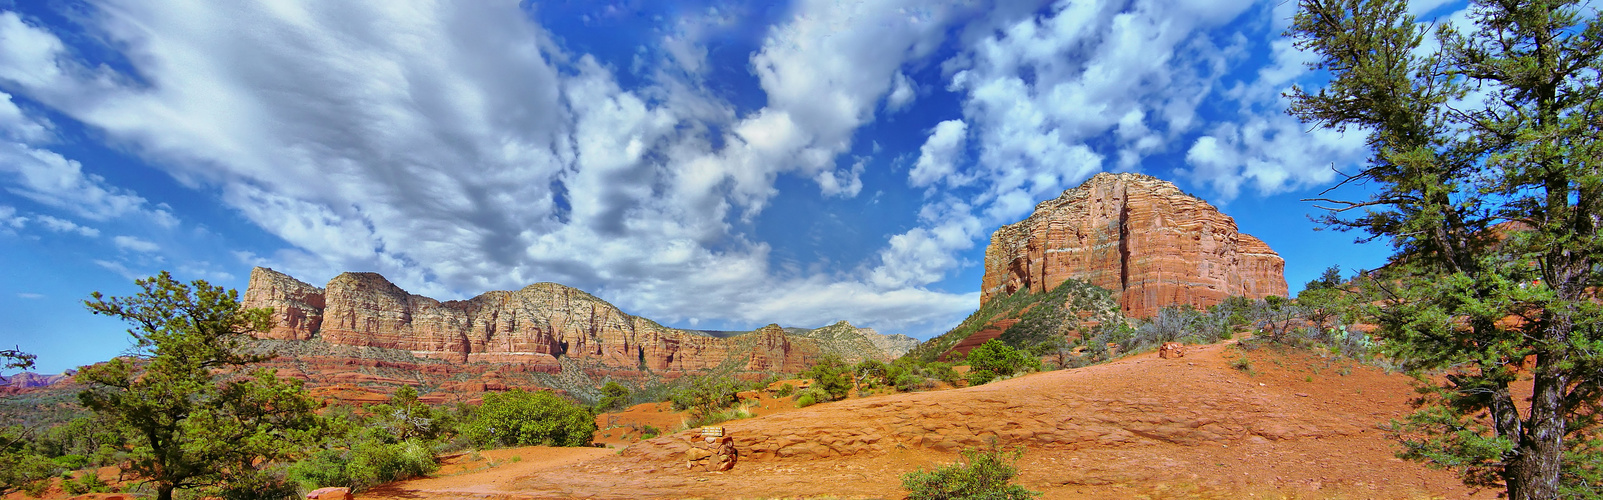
(1139, 236)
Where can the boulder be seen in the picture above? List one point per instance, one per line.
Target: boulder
(713, 454)
(1172, 350)
(330, 494)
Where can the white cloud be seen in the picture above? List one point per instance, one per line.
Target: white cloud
(455, 148)
(10, 221)
(843, 183)
(925, 253)
(938, 157)
(16, 126)
(119, 269)
(29, 296)
(66, 226)
(902, 94)
(1038, 91)
(134, 244)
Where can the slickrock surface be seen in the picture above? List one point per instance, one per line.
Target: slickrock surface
(1139, 236)
(533, 326)
(1300, 426)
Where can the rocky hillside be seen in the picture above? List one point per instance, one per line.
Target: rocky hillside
(553, 335)
(1024, 318)
(1136, 235)
(850, 342)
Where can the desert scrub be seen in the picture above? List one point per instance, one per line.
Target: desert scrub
(810, 397)
(982, 475)
(785, 390)
(1242, 363)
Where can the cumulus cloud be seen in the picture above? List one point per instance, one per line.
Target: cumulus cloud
(457, 148)
(1263, 148)
(1048, 98)
(937, 158)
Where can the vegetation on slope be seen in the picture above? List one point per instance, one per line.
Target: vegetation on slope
(1042, 316)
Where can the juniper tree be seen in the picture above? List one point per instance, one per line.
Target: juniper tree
(1485, 165)
(193, 418)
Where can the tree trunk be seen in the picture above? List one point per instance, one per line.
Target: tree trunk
(1534, 473)
(164, 492)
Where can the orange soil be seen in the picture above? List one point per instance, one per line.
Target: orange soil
(1299, 426)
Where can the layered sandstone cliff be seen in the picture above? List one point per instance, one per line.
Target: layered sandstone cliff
(1139, 236)
(535, 325)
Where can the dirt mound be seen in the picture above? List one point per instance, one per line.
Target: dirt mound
(1295, 425)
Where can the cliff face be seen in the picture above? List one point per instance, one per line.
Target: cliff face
(535, 325)
(297, 307)
(1139, 236)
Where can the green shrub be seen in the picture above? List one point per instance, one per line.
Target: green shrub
(717, 417)
(88, 482)
(1242, 363)
(268, 484)
(982, 475)
(996, 359)
(71, 462)
(811, 396)
(24, 471)
(365, 465)
(785, 390)
(704, 396)
(980, 377)
(517, 418)
(614, 396)
(831, 375)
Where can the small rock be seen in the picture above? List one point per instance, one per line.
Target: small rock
(1302, 394)
(1172, 350)
(330, 494)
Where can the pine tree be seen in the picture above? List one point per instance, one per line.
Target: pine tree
(1488, 186)
(195, 420)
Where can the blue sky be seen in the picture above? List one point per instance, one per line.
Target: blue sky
(709, 165)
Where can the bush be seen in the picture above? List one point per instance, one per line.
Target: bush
(831, 375)
(517, 418)
(994, 358)
(704, 396)
(811, 396)
(614, 396)
(88, 482)
(785, 390)
(28, 472)
(269, 484)
(982, 475)
(367, 464)
(717, 417)
(980, 377)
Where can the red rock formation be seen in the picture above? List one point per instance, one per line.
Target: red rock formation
(533, 326)
(1139, 236)
(297, 307)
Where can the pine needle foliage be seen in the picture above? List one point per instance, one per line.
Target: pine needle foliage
(1488, 185)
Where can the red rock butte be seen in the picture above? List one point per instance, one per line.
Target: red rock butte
(1139, 236)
